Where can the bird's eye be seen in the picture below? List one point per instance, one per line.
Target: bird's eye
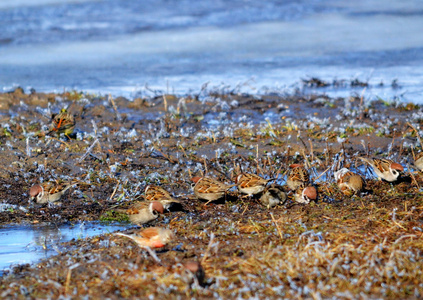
(395, 172)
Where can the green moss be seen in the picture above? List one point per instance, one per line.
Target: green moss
(6, 132)
(237, 143)
(113, 216)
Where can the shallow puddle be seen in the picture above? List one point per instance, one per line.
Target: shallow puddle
(27, 244)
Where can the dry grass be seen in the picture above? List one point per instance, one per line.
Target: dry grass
(367, 246)
(354, 249)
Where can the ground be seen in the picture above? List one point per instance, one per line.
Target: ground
(364, 246)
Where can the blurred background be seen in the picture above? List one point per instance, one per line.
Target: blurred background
(120, 47)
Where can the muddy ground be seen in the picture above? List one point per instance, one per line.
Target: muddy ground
(368, 245)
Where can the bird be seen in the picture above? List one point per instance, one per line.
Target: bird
(48, 191)
(194, 273)
(63, 122)
(251, 184)
(305, 193)
(209, 189)
(273, 196)
(348, 182)
(152, 237)
(297, 176)
(418, 162)
(157, 193)
(144, 212)
(384, 168)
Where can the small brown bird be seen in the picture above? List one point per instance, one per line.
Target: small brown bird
(348, 182)
(418, 163)
(153, 237)
(48, 191)
(156, 193)
(251, 184)
(144, 212)
(63, 122)
(304, 194)
(194, 273)
(384, 168)
(273, 196)
(209, 189)
(297, 176)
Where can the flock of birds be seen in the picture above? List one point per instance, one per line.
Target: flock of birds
(158, 200)
(209, 189)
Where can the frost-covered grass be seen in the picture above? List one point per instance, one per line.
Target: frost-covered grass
(367, 246)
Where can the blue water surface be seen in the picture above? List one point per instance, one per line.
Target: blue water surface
(121, 46)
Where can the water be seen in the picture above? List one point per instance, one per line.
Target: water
(28, 244)
(122, 46)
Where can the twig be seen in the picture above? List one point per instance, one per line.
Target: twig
(95, 128)
(167, 157)
(208, 248)
(278, 172)
(114, 107)
(244, 210)
(404, 237)
(114, 191)
(392, 145)
(205, 166)
(95, 134)
(418, 135)
(322, 173)
(311, 150)
(277, 226)
(327, 152)
(267, 163)
(28, 148)
(68, 278)
(307, 163)
(301, 140)
(400, 150)
(203, 160)
(412, 152)
(257, 153)
(88, 151)
(414, 178)
(183, 151)
(165, 102)
(259, 169)
(361, 103)
(53, 138)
